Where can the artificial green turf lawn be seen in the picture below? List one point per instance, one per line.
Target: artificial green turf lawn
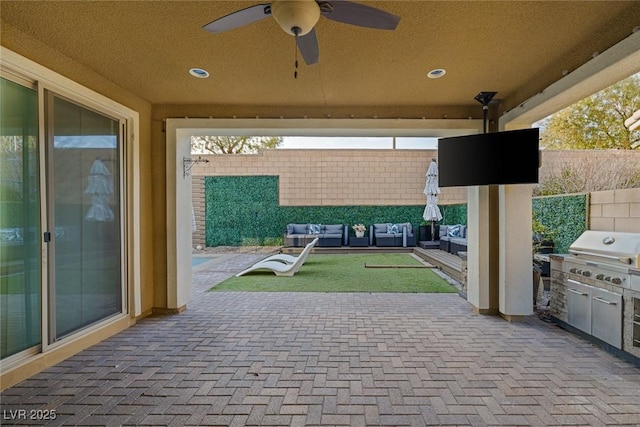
(344, 273)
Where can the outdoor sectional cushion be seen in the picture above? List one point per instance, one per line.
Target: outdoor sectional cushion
(402, 237)
(299, 235)
(297, 228)
(453, 238)
(333, 229)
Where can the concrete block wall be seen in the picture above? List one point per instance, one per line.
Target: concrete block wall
(615, 210)
(329, 178)
(198, 200)
(393, 177)
(337, 177)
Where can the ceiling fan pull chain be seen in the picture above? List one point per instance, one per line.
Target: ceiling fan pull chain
(295, 71)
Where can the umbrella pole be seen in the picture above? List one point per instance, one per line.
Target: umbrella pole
(432, 235)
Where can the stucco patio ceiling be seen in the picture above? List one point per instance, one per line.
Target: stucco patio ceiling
(516, 48)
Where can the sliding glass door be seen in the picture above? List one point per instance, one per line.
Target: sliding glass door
(61, 228)
(20, 274)
(84, 216)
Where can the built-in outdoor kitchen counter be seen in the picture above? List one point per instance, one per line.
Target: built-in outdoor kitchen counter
(595, 290)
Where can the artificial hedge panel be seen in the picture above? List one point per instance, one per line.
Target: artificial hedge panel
(244, 210)
(241, 210)
(454, 214)
(565, 216)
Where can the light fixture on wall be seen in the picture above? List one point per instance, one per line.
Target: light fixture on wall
(188, 163)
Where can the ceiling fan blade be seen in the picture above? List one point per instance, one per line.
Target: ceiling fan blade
(308, 47)
(239, 18)
(358, 14)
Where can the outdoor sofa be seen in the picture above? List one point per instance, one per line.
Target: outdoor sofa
(329, 235)
(390, 234)
(453, 238)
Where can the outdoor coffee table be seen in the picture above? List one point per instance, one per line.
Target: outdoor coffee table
(358, 241)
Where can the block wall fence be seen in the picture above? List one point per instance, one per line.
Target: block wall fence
(316, 177)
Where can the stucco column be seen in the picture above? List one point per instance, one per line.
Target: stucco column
(482, 291)
(516, 274)
(178, 199)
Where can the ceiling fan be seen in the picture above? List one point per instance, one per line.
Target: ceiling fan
(298, 18)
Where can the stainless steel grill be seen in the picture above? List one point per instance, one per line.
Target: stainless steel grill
(606, 256)
(601, 270)
(608, 247)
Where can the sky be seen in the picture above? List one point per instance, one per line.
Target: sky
(330, 142)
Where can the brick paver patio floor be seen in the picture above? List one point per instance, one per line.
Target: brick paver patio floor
(304, 359)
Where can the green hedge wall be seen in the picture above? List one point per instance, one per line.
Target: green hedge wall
(565, 216)
(454, 214)
(241, 210)
(244, 210)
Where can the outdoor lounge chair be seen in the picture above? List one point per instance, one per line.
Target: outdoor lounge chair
(290, 259)
(279, 266)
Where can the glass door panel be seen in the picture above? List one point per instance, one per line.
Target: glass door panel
(86, 281)
(20, 236)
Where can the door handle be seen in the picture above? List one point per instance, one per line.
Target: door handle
(577, 292)
(604, 301)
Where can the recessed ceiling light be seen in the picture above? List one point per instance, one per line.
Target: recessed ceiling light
(199, 73)
(436, 73)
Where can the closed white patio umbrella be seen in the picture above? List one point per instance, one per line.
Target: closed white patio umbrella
(431, 190)
(101, 188)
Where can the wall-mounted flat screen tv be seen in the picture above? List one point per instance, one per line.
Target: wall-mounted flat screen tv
(508, 157)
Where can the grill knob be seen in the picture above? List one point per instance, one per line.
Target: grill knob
(579, 272)
(607, 279)
(600, 276)
(586, 273)
(616, 281)
(573, 270)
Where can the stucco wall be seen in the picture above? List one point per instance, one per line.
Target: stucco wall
(38, 52)
(142, 274)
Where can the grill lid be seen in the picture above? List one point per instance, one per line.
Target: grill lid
(610, 247)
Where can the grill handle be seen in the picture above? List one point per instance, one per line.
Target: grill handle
(622, 259)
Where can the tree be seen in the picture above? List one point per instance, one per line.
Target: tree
(233, 144)
(596, 122)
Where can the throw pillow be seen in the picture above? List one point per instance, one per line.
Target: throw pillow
(454, 231)
(392, 228)
(314, 228)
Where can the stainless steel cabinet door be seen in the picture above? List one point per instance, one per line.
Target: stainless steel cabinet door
(579, 305)
(606, 316)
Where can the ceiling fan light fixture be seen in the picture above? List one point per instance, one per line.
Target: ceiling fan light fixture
(296, 17)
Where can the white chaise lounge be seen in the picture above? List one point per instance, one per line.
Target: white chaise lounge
(282, 264)
(290, 259)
